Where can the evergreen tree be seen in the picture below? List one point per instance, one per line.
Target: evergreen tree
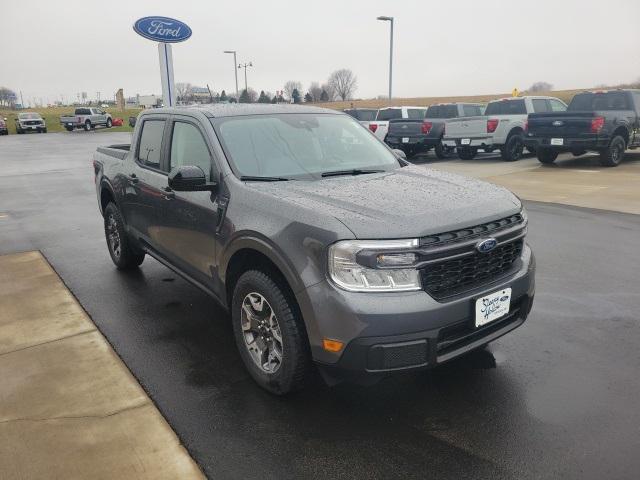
(244, 97)
(223, 96)
(308, 97)
(324, 96)
(295, 95)
(274, 99)
(263, 97)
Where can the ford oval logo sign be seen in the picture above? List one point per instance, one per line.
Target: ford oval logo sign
(162, 29)
(486, 245)
(558, 123)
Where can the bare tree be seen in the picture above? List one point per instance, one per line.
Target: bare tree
(315, 90)
(7, 97)
(183, 90)
(541, 87)
(290, 86)
(344, 82)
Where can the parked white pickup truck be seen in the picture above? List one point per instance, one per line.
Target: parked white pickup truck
(87, 118)
(380, 126)
(502, 127)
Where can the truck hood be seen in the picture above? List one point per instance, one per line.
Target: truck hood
(404, 203)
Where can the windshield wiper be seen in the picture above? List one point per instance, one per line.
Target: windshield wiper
(251, 178)
(354, 171)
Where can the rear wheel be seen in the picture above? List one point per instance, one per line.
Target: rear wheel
(546, 155)
(69, 129)
(467, 153)
(614, 153)
(109, 123)
(441, 151)
(87, 126)
(122, 252)
(269, 332)
(512, 150)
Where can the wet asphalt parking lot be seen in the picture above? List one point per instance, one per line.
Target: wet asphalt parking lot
(557, 398)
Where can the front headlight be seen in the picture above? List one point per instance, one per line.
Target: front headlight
(374, 265)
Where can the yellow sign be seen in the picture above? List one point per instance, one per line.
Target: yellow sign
(515, 92)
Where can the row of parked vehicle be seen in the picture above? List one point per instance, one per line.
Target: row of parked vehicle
(25, 122)
(607, 122)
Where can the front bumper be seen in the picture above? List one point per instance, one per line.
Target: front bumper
(39, 126)
(475, 142)
(568, 144)
(389, 332)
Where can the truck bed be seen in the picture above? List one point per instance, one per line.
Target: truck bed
(119, 151)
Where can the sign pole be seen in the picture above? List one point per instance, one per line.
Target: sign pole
(166, 74)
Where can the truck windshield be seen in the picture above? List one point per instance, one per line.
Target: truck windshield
(389, 114)
(599, 101)
(29, 116)
(365, 115)
(442, 111)
(506, 107)
(300, 146)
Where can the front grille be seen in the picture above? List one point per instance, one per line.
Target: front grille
(452, 276)
(32, 122)
(486, 229)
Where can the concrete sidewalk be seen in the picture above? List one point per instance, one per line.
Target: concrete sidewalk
(69, 408)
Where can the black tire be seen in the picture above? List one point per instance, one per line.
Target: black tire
(295, 358)
(513, 148)
(87, 126)
(467, 153)
(409, 152)
(547, 156)
(109, 123)
(442, 152)
(69, 129)
(531, 150)
(124, 255)
(614, 153)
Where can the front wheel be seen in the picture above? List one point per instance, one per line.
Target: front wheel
(613, 154)
(122, 252)
(269, 332)
(467, 153)
(547, 156)
(109, 123)
(512, 150)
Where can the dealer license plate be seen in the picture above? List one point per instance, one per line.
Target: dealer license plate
(69, 124)
(465, 141)
(492, 307)
(557, 141)
(405, 139)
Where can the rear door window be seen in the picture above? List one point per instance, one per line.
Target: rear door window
(506, 107)
(150, 144)
(389, 114)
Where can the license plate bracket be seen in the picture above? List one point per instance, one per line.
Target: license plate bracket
(492, 307)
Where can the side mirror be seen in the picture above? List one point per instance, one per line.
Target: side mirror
(400, 154)
(189, 178)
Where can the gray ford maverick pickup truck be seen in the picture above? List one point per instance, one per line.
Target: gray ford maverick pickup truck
(326, 246)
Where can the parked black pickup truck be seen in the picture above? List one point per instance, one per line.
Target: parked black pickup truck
(607, 122)
(414, 136)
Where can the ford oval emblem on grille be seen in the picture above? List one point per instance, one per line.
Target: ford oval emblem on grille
(558, 123)
(486, 245)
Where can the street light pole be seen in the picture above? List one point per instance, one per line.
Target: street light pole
(245, 65)
(389, 19)
(235, 71)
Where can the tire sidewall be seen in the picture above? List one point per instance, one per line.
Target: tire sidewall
(282, 380)
(87, 126)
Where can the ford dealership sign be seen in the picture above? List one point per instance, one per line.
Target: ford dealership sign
(162, 29)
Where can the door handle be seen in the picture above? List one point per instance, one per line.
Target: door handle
(168, 194)
(133, 178)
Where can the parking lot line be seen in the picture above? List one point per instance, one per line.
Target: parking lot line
(69, 408)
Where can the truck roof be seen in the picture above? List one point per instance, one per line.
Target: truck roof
(522, 97)
(237, 109)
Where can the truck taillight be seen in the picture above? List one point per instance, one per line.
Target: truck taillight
(492, 124)
(426, 127)
(597, 124)
(525, 127)
(373, 127)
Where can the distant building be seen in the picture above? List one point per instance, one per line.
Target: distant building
(147, 101)
(199, 94)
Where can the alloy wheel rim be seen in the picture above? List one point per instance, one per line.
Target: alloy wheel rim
(261, 332)
(113, 236)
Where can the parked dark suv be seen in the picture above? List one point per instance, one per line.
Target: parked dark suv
(325, 246)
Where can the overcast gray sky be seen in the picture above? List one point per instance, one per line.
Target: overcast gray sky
(51, 48)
